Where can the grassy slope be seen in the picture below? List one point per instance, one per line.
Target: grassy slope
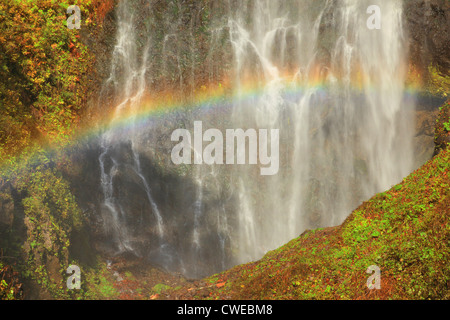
(404, 231)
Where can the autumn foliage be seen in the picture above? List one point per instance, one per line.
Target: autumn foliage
(45, 73)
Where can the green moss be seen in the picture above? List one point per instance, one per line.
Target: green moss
(9, 283)
(160, 287)
(442, 128)
(439, 83)
(45, 74)
(50, 214)
(46, 77)
(404, 231)
(98, 284)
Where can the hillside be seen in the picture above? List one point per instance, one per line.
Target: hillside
(404, 231)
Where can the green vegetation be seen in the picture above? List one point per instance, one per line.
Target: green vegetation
(438, 83)
(404, 231)
(160, 287)
(10, 286)
(46, 74)
(44, 69)
(442, 131)
(98, 284)
(50, 215)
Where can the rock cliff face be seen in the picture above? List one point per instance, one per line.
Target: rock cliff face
(428, 25)
(427, 22)
(6, 210)
(442, 136)
(184, 48)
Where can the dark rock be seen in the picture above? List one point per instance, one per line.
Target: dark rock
(6, 211)
(442, 132)
(428, 26)
(424, 135)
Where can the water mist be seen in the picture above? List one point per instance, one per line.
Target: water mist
(334, 89)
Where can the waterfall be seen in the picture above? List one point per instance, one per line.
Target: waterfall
(343, 144)
(128, 71)
(332, 86)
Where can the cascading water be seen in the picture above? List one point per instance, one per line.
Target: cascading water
(128, 79)
(343, 144)
(332, 86)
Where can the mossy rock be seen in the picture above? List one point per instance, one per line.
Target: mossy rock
(160, 287)
(442, 131)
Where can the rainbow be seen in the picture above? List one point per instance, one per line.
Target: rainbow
(213, 97)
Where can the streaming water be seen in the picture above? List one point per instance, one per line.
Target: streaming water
(332, 87)
(128, 71)
(346, 144)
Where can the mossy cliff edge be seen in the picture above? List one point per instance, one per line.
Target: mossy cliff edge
(404, 231)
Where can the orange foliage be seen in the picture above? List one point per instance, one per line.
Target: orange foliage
(102, 8)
